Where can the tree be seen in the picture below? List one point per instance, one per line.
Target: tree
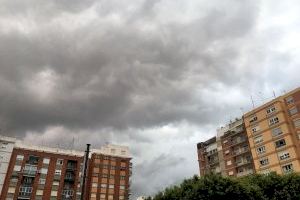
(252, 187)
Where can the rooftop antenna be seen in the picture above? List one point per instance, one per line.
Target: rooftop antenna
(274, 95)
(253, 106)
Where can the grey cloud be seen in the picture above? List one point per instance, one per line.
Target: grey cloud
(105, 70)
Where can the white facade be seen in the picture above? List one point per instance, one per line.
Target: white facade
(6, 148)
(113, 150)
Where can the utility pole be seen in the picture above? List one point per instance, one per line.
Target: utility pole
(86, 160)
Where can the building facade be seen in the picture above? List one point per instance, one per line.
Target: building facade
(42, 173)
(274, 131)
(266, 139)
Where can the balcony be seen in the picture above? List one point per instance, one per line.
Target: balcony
(238, 141)
(245, 173)
(30, 170)
(243, 162)
(240, 151)
(25, 192)
(71, 167)
(67, 194)
(69, 177)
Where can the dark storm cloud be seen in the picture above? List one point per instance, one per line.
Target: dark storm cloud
(155, 75)
(116, 76)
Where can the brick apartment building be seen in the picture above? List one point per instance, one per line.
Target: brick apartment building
(42, 173)
(265, 139)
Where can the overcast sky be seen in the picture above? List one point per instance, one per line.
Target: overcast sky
(157, 75)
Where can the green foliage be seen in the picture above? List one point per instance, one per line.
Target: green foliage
(253, 187)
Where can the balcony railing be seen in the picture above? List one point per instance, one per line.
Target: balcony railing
(69, 177)
(29, 170)
(239, 140)
(244, 173)
(25, 192)
(243, 162)
(67, 194)
(240, 151)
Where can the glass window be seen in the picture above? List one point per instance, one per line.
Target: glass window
(103, 185)
(276, 132)
(273, 120)
(42, 181)
(53, 193)
(57, 172)
(111, 186)
(46, 160)
(258, 139)
(264, 161)
(44, 171)
(297, 123)
(261, 149)
(289, 100)
(287, 168)
(20, 157)
(271, 110)
(253, 119)
(60, 162)
(293, 111)
(280, 143)
(255, 129)
(283, 155)
(17, 168)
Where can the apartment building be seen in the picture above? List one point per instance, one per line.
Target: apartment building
(208, 157)
(273, 131)
(266, 139)
(235, 148)
(42, 173)
(109, 174)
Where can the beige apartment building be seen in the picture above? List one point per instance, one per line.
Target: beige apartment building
(273, 130)
(266, 139)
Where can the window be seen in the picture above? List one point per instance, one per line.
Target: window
(57, 172)
(46, 160)
(264, 161)
(44, 171)
(104, 176)
(283, 155)
(59, 161)
(113, 151)
(111, 176)
(121, 197)
(111, 186)
(280, 143)
(123, 152)
(42, 181)
(255, 129)
(258, 139)
(225, 141)
(4, 145)
(297, 123)
(53, 193)
(227, 152)
(11, 190)
(122, 187)
(103, 185)
(20, 157)
(253, 119)
(271, 110)
(228, 162)
(102, 196)
(122, 177)
(276, 132)
(293, 111)
(289, 100)
(113, 167)
(39, 192)
(110, 197)
(261, 149)
(105, 166)
(95, 185)
(287, 168)
(55, 183)
(17, 168)
(273, 121)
